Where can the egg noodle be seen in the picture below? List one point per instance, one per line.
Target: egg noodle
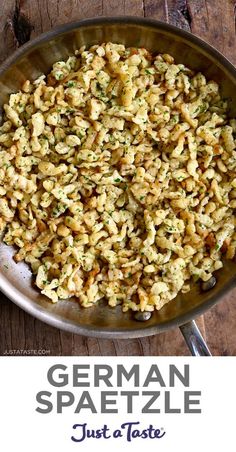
(117, 178)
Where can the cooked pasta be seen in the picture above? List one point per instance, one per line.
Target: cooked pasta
(117, 178)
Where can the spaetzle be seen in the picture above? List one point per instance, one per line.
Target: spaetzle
(117, 178)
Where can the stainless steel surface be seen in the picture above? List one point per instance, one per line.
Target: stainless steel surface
(36, 57)
(194, 339)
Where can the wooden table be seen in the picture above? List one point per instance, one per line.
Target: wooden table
(214, 21)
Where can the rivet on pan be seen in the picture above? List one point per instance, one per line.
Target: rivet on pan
(142, 316)
(208, 285)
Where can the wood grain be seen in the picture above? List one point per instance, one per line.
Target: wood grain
(214, 21)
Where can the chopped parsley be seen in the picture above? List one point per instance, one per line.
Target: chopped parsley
(70, 84)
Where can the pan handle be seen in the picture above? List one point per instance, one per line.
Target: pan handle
(194, 339)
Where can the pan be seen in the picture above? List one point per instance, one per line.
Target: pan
(37, 57)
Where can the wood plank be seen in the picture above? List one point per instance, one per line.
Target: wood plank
(44, 15)
(221, 330)
(123, 7)
(178, 14)
(156, 9)
(214, 21)
(7, 41)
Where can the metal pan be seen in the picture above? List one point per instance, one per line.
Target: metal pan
(37, 57)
